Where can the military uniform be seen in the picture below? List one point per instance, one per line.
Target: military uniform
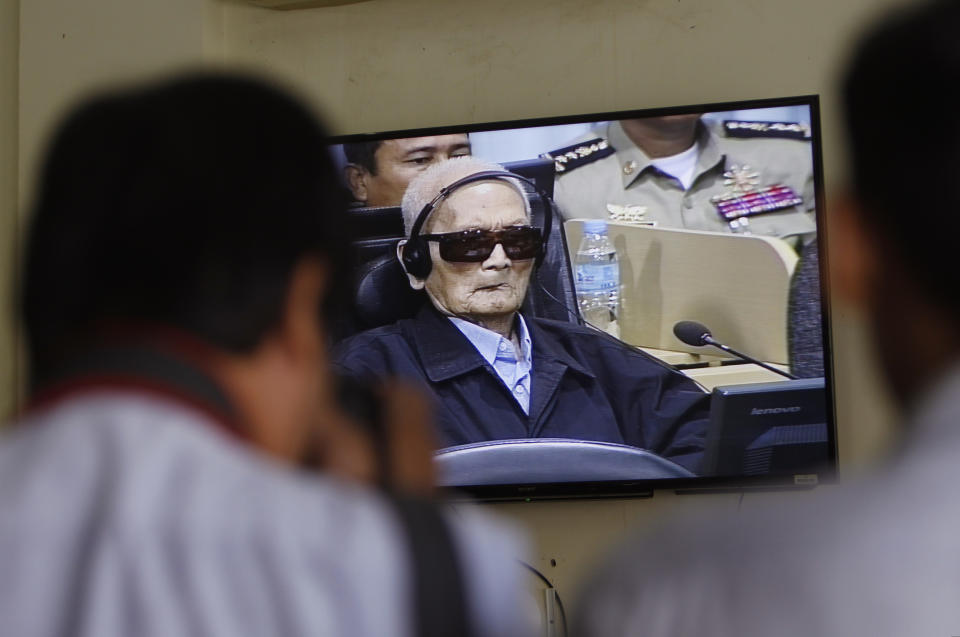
(750, 177)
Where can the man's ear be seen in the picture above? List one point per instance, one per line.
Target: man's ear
(415, 283)
(300, 326)
(854, 251)
(356, 177)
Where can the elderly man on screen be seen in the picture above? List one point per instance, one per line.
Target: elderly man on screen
(496, 373)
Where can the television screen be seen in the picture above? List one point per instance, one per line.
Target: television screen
(549, 316)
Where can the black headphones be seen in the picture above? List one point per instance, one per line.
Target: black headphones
(415, 254)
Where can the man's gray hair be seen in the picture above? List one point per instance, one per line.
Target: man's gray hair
(427, 184)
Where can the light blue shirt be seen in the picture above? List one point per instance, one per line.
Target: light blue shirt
(512, 367)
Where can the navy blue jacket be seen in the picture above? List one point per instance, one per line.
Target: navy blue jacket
(584, 386)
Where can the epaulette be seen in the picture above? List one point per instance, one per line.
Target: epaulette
(569, 157)
(779, 130)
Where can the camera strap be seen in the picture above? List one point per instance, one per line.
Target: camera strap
(440, 601)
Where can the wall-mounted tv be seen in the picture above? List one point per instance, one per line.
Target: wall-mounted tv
(713, 214)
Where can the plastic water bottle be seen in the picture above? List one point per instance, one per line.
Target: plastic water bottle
(597, 273)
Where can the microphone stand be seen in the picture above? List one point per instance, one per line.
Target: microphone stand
(709, 340)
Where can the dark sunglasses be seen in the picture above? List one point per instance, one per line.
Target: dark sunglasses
(471, 246)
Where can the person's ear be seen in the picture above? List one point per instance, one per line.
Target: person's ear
(854, 252)
(282, 386)
(356, 177)
(415, 283)
(301, 327)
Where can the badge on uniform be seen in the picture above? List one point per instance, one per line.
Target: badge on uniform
(781, 130)
(745, 197)
(629, 214)
(569, 157)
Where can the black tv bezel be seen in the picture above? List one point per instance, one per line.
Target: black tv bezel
(701, 484)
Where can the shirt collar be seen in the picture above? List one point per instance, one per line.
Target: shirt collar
(157, 360)
(487, 341)
(626, 152)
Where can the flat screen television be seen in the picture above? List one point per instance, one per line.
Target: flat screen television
(716, 212)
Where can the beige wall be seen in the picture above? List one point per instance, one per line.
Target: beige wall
(67, 48)
(388, 64)
(9, 66)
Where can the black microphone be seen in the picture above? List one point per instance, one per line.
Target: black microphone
(698, 335)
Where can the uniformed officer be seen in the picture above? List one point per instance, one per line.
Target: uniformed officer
(681, 172)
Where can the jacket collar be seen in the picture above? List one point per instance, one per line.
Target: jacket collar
(446, 353)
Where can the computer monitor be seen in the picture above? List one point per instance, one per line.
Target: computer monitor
(769, 428)
(750, 169)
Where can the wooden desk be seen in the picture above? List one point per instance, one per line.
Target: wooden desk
(710, 377)
(685, 359)
(709, 373)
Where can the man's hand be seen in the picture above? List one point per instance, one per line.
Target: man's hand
(396, 451)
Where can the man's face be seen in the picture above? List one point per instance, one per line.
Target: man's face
(400, 160)
(668, 123)
(494, 287)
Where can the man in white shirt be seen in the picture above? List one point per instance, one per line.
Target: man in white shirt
(183, 261)
(880, 556)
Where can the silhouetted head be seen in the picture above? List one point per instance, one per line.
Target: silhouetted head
(185, 203)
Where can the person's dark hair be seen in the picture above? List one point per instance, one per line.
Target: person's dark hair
(184, 203)
(901, 114)
(363, 154)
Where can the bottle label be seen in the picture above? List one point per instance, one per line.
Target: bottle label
(594, 277)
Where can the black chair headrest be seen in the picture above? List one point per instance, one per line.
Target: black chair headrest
(366, 223)
(383, 293)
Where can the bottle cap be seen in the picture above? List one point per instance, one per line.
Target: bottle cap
(595, 226)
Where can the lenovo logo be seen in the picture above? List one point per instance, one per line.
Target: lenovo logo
(770, 411)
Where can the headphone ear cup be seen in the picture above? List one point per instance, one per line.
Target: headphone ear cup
(542, 252)
(545, 229)
(416, 258)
